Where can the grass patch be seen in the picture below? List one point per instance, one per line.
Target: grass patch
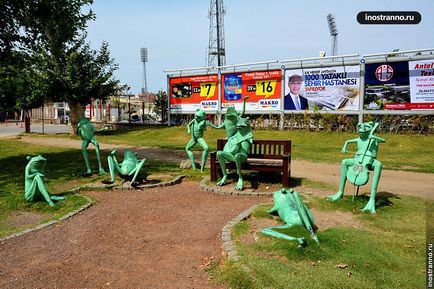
(388, 253)
(63, 172)
(400, 152)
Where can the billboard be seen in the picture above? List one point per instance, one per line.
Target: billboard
(422, 83)
(189, 93)
(399, 85)
(262, 87)
(327, 88)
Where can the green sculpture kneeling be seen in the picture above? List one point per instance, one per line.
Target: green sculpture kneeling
(290, 208)
(85, 130)
(236, 150)
(34, 181)
(356, 170)
(128, 169)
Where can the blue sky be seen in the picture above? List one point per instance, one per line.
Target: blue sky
(176, 32)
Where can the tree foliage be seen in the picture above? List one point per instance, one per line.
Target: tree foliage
(44, 56)
(160, 106)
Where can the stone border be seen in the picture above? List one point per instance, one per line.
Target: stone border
(228, 244)
(229, 191)
(46, 224)
(125, 186)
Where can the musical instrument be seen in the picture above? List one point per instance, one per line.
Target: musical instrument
(358, 174)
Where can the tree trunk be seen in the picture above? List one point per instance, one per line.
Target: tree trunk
(76, 112)
(27, 121)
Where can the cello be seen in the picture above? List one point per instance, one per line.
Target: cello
(358, 174)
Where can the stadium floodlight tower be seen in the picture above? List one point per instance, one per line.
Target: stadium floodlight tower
(216, 44)
(144, 58)
(333, 33)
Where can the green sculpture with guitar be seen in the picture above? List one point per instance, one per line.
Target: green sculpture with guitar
(356, 170)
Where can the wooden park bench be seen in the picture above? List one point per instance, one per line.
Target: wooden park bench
(264, 156)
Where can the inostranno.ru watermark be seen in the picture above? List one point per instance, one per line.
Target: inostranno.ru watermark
(389, 17)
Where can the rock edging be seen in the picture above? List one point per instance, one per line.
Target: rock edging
(228, 243)
(229, 191)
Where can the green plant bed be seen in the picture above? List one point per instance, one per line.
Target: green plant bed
(386, 250)
(63, 172)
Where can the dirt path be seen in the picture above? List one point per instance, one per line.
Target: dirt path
(156, 238)
(395, 182)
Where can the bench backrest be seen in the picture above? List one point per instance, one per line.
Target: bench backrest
(264, 149)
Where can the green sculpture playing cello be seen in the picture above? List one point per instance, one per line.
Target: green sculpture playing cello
(356, 170)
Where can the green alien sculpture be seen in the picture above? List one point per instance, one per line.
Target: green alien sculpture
(86, 130)
(356, 170)
(236, 150)
(290, 208)
(128, 169)
(231, 119)
(34, 181)
(196, 128)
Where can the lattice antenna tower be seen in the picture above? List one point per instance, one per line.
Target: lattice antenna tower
(144, 59)
(216, 45)
(333, 33)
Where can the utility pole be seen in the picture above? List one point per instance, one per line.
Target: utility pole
(216, 44)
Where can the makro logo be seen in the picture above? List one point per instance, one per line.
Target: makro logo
(384, 72)
(208, 104)
(265, 103)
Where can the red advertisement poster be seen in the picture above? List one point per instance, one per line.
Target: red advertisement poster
(262, 87)
(189, 93)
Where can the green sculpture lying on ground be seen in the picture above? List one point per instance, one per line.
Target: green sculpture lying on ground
(34, 181)
(290, 208)
(356, 170)
(236, 150)
(196, 128)
(128, 169)
(85, 130)
(231, 119)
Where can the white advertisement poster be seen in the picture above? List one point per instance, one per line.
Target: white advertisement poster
(421, 81)
(328, 88)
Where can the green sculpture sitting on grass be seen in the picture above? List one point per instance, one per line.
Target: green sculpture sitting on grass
(196, 128)
(34, 181)
(236, 150)
(128, 169)
(290, 208)
(356, 170)
(231, 119)
(86, 130)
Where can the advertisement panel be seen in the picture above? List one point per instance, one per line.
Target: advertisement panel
(386, 85)
(422, 83)
(262, 87)
(189, 93)
(328, 88)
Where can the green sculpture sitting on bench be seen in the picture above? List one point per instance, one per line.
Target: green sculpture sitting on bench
(356, 170)
(231, 119)
(34, 181)
(128, 169)
(290, 208)
(236, 150)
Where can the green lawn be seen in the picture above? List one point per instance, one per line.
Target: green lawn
(388, 252)
(400, 152)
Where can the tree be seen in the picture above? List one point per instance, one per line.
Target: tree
(160, 105)
(48, 37)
